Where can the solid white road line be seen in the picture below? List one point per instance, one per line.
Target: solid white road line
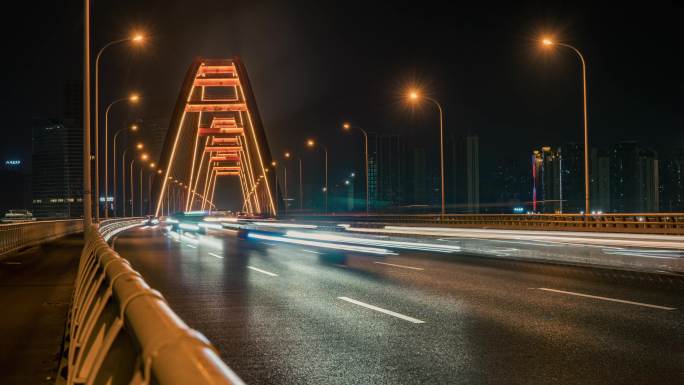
(381, 310)
(608, 299)
(310, 251)
(262, 271)
(189, 245)
(401, 266)
(216, 255)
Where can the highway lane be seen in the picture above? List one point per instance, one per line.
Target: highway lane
(292, 314)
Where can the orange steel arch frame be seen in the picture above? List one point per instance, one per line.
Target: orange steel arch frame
(250, 145)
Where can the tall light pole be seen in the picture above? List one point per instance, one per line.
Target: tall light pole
(311, 144)
(549, 43)
(347, 127)
(275, 182)
(414, 96)
(87, 185)
(138, 146)
(133, 128)
(138, 38)
(133, 98)
(288, 155)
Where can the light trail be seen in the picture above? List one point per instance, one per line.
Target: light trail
(569, 238)
(324, 245)
(375, 242)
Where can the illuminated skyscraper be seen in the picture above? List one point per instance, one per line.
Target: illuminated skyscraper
(546, 181)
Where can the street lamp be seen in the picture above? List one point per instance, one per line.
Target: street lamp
(548, 43)
(138, 147)
(132, 128)
(275, 182)
(133, 98)
(312, 144)
(347, 126)
(136, 38)
(288, 155)
(414, 96)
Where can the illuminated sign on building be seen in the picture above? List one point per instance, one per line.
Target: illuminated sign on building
(13, 162)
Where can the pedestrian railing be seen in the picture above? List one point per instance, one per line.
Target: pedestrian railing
(123, 332)
(660, 223)
(15, 236)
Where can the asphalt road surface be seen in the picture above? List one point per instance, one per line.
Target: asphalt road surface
(300, 314)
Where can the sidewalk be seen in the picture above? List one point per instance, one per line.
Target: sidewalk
(35, 291)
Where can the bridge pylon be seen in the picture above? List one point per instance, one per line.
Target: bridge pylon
(215, 134)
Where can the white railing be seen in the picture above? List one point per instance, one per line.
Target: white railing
(121, 331)
(15, 236)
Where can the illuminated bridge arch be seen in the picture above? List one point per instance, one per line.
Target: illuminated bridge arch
(215, 134)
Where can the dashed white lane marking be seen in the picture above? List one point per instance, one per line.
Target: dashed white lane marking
(310, 251)
(607, 299)
(191, 246)
(12, 263)
(401, 266)
(262, 271)
(381, 310)
(216, 255)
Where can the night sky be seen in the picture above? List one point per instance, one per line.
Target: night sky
(314, 65)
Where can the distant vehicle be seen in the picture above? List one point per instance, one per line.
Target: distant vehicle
(13, 216)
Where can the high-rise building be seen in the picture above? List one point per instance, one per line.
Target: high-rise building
(463, 174)
(672, 181)
(600, 181)
(419, 177)
(546, 181)
(386, 161)
(510, 187)
(154, 133)
(634, 178)
(57, 181)
(572, 176)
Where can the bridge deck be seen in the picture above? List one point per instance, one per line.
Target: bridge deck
(289, 314)
(35, 290)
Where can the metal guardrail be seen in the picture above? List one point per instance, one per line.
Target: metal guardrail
(661, 223)
(121, 331)
(15, 236)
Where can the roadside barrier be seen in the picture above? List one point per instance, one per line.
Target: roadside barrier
(121, 331)
(647, 223)
(15, 236)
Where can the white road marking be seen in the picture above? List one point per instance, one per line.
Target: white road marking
(12, 263)
(216, 255)
(262, 271)
(381, 310)
(608, 299)
(401, 266)
(189, 245)
(310, 251)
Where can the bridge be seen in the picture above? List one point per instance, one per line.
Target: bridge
(196, 295)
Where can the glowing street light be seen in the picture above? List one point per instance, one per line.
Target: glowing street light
(548, 43)
(136, 38)
(139, 146)
(132, 128)
(413, 97)
(347, 126)
(133, 98)
(312, 144)
(288, 155)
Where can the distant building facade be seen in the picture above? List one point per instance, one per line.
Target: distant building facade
(634, 179)
(463, 174)
(547, 193)
(387, 170)
(57, 182)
